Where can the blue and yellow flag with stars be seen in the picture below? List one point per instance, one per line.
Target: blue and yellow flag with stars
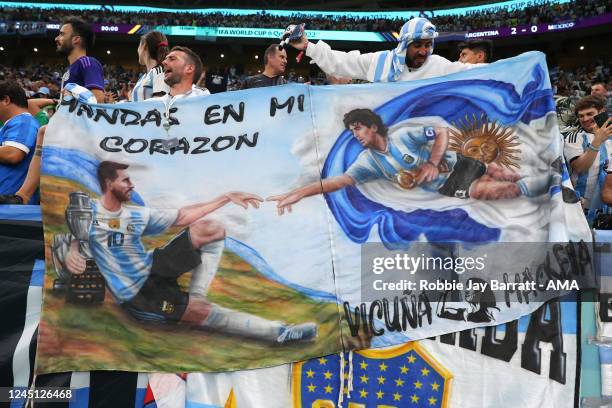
(403, 376)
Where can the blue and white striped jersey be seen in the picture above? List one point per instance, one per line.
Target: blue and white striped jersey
(149, 84)
(407, 150)
(588, 183)
(116, 245)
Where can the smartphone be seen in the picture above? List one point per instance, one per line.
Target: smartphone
(600, 118)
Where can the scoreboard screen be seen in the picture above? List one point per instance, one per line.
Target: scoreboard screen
(539, 28)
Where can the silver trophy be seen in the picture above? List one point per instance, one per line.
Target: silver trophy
(88, 287)
(79, 217)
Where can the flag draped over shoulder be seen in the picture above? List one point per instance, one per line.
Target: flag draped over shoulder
(295, 277)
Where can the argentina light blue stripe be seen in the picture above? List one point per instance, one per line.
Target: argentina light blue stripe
(382, 160)
(398, 156)
(380, 65)
(418, 30)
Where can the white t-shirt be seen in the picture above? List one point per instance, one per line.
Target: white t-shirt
(357, 66)
(195, 91)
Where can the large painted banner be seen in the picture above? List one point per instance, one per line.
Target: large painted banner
(260, 227)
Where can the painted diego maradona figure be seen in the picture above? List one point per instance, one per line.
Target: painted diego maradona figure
(471, 162)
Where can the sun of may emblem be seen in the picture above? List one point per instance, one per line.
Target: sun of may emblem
(485, 141)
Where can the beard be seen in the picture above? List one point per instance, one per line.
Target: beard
(65, 49)
(413, 63)
(415, 60)
(173, 79)
(121, 196)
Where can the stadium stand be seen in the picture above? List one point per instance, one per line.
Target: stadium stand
(542, 13)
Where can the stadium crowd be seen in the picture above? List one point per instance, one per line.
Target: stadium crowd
(113, 84)
(543, 12)
(573, 84)
(577, 83)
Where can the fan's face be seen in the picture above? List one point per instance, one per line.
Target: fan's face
(471, 57)
(585, 116)
(277, 62)
(417, 52)
(599, 90)
(64, 40)
(142, 53)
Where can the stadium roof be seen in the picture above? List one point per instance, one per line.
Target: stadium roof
(348, 5)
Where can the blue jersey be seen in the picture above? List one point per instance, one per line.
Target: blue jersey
(406, 150)
(18, 132)
(117, 248)
(87, 72)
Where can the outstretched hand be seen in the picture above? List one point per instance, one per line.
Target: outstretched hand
(244, 199)
(285, 201)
